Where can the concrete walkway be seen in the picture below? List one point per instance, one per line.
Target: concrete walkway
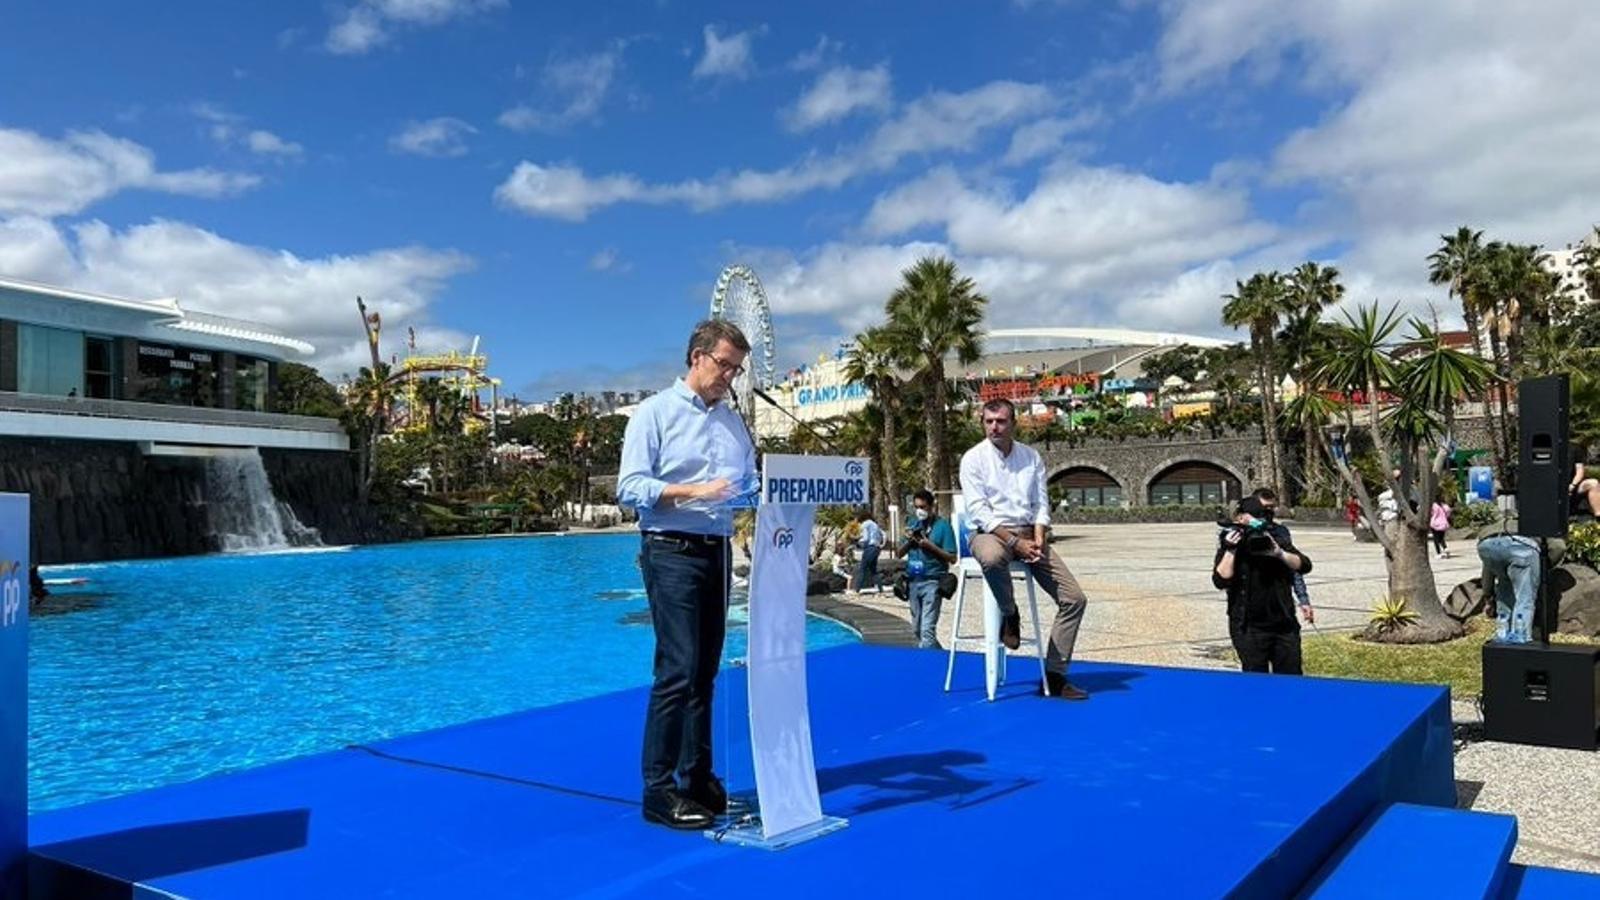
(1151, 602)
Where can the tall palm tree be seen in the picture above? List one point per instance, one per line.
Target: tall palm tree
(366, 416)
(1587, 259)
(936, 312)
(1259, 304)
(875, 360)
(1460, 263)
(1311, 288)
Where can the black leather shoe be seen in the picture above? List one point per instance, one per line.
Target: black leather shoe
(709, 793)
(674, 810)
(1057, 685)
(1011, 630)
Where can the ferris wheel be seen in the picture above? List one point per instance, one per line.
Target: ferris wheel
(740, 299)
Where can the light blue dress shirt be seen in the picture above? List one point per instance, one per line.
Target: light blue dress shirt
(674, 438)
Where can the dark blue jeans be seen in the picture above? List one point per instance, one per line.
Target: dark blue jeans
(686, 581)
(867, 569)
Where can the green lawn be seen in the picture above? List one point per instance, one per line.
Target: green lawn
(1458, 663)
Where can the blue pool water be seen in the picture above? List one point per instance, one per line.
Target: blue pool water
(170, 670)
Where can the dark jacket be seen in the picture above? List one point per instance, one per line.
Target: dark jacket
(1261, 591)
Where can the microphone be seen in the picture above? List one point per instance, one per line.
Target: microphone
(806, 425)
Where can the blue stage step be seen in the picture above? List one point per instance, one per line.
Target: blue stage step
(1420, 851)
(1535, 883)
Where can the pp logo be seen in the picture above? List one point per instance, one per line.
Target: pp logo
(10, 594)
(853, 468)
(783, 537)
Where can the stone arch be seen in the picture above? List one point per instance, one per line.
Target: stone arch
(1172, 474)
(1087, 483)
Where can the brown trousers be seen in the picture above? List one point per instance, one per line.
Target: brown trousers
(1053, 577)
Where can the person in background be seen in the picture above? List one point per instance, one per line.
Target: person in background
(1438, 524)
(1512, 567)
(1584, 488)
(1255, 564)
(929, 550)
(871, 545)
(1280, 533)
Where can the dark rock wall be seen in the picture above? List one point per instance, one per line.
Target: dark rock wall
(100, 500)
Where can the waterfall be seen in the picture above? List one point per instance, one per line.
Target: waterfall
(244, 513)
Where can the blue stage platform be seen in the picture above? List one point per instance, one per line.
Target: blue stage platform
(1167, 783)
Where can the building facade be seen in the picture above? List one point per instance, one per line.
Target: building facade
(75, 364)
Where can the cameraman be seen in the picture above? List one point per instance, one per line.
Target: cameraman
(1256, 565)
(929, 550)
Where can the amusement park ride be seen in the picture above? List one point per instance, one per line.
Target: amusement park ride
(463, 374)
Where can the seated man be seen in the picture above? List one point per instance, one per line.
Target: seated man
(1584, 488)
(1009, 510)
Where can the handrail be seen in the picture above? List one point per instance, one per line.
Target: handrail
(163, 412)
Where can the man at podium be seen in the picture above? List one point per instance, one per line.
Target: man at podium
(685, 453)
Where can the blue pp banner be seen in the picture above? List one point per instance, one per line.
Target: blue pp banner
(13, 693)
(1480, 484)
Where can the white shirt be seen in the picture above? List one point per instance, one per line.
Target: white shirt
(1004, 490)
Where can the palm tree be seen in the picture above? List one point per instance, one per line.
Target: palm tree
(366, 417)
(1429, 381)
(936, 312)
(1311, 289)
(875, 361)
(1587, 259)
(1460, 262)
(1259, 304)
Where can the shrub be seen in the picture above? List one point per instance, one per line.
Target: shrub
(1583, 544)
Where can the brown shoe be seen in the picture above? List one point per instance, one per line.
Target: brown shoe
(1057, 685)
(1011, 630)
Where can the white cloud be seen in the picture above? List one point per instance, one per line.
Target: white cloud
(608, 259)
(309, 298)
(840, 92)
(371, 23)
(1450, 112)
(726, 57)
(228, 129)
(826, 49)
(937, 123)
(576, 88)
(439, 137)
(45, 177)
(564, 192)
(1085, 246)
(1046, 137)
(266, 143)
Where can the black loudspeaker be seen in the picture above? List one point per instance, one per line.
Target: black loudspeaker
(1544, 465)
(1545, 695)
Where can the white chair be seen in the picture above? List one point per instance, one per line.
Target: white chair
(994, 655)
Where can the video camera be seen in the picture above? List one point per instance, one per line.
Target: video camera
(1255, 540)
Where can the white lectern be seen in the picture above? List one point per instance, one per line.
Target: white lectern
(788, 805)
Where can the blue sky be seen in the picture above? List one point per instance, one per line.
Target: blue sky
(566, 180)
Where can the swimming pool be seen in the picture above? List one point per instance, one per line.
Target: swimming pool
(169, 670)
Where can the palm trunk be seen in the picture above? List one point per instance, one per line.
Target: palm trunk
(889, 474)
(1503, 370)
(938, 480)
(1496, 440)
(1411, 578)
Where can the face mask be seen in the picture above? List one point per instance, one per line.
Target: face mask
(921, 514)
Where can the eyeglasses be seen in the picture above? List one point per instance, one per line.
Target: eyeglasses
(727, 368)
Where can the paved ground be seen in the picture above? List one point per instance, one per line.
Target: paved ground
(1151, 601)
